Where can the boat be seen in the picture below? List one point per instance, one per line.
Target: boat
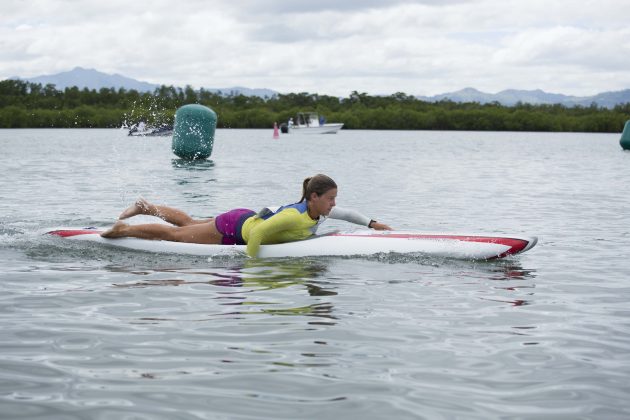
(310, 123)
(469, 246)
(142, 130)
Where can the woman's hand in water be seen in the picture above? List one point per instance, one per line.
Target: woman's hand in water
(380, 226)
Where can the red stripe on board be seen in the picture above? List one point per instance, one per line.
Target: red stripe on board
(74, 232)
(515, 245)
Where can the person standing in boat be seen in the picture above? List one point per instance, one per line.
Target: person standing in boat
(271, 225)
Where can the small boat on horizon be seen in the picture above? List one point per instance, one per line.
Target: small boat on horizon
(309, 123)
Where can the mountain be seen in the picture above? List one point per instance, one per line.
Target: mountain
(238, 90)
(610, 99)
(536, 97)
(93, 79)
(464, 95)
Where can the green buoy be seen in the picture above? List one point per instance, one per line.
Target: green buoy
(625, 136)
(193, 134)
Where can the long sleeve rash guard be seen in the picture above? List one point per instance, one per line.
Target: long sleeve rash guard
(289, 223)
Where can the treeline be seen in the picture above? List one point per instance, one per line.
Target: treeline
(30, 105)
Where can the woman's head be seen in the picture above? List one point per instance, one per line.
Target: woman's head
(320, 191)
(318, 184)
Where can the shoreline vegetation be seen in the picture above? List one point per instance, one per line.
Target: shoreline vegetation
(31, 105)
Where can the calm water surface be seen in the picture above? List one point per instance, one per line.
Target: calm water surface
(89, 332)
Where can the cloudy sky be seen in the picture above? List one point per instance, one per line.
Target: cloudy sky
(332, 47)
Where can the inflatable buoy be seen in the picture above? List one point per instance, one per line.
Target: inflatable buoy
(275, 131)
(625, 136)
(193, 134)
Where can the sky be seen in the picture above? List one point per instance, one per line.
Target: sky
(328, 47)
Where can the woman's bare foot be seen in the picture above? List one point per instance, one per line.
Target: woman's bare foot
(141, 206)
(115, 231)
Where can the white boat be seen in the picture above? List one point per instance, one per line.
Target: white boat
(310, 123)
(143, 130)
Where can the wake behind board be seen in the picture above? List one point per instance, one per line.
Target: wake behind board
(477, 247)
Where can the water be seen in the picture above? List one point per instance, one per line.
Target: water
(88, 332)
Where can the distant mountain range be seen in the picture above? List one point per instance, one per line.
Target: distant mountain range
(93, 79)
(512, 97)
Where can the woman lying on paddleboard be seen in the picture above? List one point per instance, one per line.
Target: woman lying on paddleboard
(288, 223)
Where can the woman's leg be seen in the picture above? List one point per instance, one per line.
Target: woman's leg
(199, 233)
(168, 214)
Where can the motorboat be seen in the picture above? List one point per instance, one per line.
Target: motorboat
(141, 130)
(310, 123)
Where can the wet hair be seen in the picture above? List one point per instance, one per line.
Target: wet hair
(318, 184)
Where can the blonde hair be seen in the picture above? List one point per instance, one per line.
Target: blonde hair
(317, 184)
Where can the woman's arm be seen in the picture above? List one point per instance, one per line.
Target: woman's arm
(353, 216)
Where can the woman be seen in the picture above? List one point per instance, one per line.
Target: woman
(243, 226)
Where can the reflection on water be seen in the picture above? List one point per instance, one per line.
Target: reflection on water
(512, 270)
(518, 281)
(258, 274)
(248, 281)
(192, 165)
(194, 172)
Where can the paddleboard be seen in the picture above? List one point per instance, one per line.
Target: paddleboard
(367, 242)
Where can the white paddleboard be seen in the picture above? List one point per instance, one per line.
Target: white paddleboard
(334, 244)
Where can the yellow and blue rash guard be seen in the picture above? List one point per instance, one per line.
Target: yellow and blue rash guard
(287, 224)
(290, 223)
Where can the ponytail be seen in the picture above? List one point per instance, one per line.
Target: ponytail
(304, 188)
(317, 184)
